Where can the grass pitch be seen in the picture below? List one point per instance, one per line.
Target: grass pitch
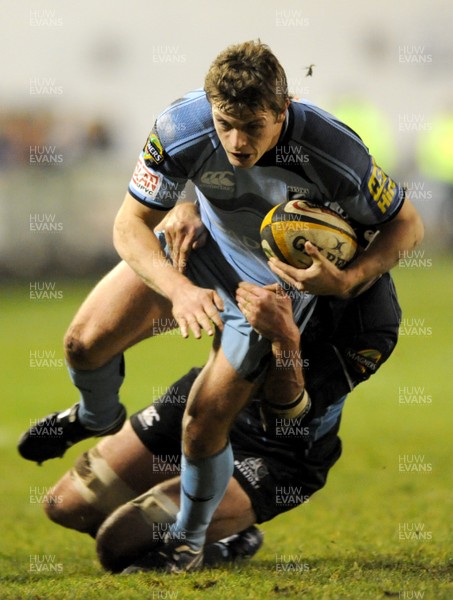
(381, 528)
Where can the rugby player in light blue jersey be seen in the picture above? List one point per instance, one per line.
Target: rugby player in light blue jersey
(246, 146)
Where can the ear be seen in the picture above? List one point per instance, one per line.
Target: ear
(282, 116)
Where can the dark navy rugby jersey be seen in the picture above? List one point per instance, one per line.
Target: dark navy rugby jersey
(316, 158)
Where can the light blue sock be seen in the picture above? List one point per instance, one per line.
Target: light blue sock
(99, 393)
(203, 485)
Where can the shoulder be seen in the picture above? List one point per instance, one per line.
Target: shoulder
(329, 137)
(185, 123)
(339, 157)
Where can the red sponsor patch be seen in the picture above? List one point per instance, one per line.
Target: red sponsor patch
(144, 180)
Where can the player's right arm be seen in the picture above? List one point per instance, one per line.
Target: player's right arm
(193, 307)
(269, 311)
(184, 232)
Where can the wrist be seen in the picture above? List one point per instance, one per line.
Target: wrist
(360, 276)
(352, 278)
(287, 340)
(175, 284)
(288, 356)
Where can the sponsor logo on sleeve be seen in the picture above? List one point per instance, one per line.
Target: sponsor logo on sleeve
(144, 180)
(364, 360)
(153, 149)
(381, 187)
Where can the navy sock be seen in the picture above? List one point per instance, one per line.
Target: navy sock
(99, 393)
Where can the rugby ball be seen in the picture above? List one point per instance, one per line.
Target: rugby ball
(287, 227)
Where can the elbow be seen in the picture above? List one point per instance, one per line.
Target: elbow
(414, 222)
(118, 235)
(419, 230)
(116, 240)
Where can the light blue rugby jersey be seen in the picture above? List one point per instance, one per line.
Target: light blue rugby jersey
(316, 158)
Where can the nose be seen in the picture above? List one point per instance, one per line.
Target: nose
(238, 139)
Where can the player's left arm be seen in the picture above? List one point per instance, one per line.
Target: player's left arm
(397, 236)
(400, 234)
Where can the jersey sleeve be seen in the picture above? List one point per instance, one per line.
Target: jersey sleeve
(375, 199)
(348, 174)
(157, 181)
(182, 138)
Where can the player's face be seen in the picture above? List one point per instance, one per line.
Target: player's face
(245, 137)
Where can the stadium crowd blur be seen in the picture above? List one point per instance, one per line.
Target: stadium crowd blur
(78, 102)
(66, 180)
(56, 172)
(21, 131)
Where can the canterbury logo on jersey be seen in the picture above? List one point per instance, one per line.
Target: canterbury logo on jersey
(222, 179)
(148, 416)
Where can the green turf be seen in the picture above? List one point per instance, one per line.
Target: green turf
(355, 539)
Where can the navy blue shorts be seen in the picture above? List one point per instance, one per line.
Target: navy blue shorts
(275, 474)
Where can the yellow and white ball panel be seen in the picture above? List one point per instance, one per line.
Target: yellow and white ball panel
(287, 227)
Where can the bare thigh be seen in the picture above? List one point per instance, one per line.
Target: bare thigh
(118, 313)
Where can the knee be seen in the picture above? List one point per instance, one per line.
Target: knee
(134, 529)
(123, 537)
(52, 506)
(79, 349)
(85, 495)
(205, 433)
(63, 507)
